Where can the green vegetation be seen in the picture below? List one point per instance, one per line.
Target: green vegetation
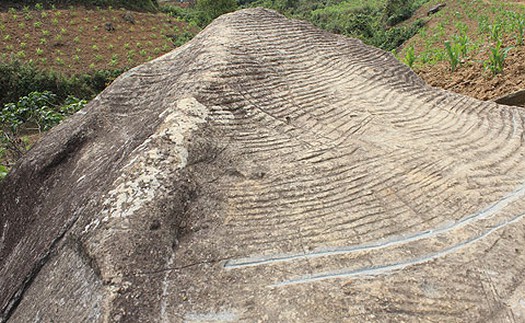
(18, 79)
(211, 9)
(453, 54)
(410, 57)
(471, 33)
(150, 5)
(36, 112)
(496, 58)
(374, 22)
(49, 56)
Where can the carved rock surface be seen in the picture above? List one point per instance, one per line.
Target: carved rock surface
(269, 171)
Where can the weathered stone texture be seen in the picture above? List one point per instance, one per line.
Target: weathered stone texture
(269, 171)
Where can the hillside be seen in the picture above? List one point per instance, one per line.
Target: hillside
(480, 33)
(78, 40)
(271, 171)
(54, 59)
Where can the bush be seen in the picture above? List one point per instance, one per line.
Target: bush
(17, 79)
(364, 22)
(397, 11)
(211, 9)
(392, 38)
(35, 112)
(189, 15)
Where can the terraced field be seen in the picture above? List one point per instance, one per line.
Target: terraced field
(270, 171)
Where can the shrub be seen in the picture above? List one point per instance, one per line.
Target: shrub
(37, 111)
(211, 9)
(18, 79)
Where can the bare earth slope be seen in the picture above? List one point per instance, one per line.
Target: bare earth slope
(269, 171)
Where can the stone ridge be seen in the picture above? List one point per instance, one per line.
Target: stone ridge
(269, 171)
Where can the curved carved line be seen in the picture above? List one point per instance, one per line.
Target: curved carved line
(487, 212)
(382, 269)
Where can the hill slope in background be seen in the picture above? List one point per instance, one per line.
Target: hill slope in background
(149, 5)
(477, 26)
(78, 40)
(269, 170)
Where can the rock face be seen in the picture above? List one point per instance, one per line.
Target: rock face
(516, 98)
(269, 171)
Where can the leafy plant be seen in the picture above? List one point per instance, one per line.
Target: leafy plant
(38, 111)
(495, 32)
(183, 38)
(453, 54)
(35, 109)
(211, 9)
(497, 56)
(519, 23)
(462, 41)
(18, 79)
(410, 56)
(3, 171)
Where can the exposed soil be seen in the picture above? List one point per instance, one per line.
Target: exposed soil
(83, 40)
(473, 80)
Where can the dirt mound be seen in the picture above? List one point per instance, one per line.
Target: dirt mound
(269, 171)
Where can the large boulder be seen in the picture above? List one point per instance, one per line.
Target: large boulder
(269, 171)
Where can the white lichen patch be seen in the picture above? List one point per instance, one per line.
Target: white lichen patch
(153, 163)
